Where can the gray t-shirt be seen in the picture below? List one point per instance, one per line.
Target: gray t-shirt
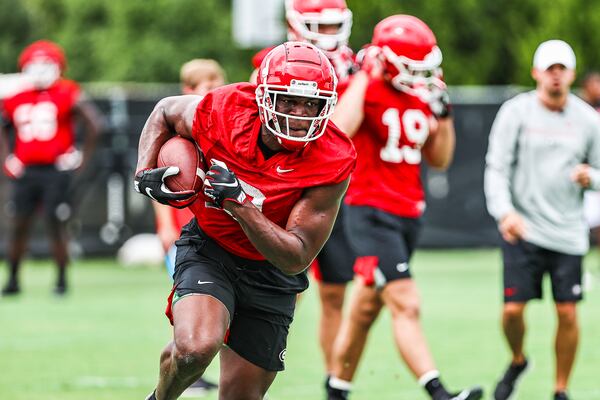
(531, 155)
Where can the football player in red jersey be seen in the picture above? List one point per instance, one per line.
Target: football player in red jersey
(44, 156)
(396, 110)
(265, 214)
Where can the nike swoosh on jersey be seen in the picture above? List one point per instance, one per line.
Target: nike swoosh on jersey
(283, 171)
(204, 282)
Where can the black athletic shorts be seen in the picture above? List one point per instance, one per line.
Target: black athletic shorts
(335, 262)
(260, 302)
(383, 243)
(525, 265)
(41, 185)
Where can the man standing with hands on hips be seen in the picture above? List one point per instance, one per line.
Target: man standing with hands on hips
(544, 152)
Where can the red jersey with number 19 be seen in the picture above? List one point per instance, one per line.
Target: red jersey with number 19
(388, 144)
(43, 122)
(227, 127)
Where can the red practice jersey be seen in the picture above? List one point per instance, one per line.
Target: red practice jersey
(43, 122)
(180, 217)
(227, 127)
(388, 143)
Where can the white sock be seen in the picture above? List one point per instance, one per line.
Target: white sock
(340, 384)
(427, 376)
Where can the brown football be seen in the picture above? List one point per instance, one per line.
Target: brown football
(185, 154)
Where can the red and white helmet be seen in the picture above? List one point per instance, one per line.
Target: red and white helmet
(305, 16)
(412, 57)
(43, 61)
(295, 69)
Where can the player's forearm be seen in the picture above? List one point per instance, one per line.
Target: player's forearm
(439, 149)
(281, 248)
(171, 115)
(155, 133)
(349, 112)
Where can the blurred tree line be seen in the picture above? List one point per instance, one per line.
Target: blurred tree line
(483, 41)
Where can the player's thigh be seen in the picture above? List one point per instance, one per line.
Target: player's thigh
(260, 326)
(524, 265)
(56, 200)
(26, 194)
(384, 244)
(335, 262)
(203, 297)
(565, 274)
(241, 379)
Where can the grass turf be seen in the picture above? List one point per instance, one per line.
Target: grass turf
(103, 340)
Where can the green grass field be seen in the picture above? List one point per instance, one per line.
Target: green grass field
(103, 340)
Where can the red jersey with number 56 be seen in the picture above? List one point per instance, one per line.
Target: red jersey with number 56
(227, 127)
(388, 146)
(43, 122)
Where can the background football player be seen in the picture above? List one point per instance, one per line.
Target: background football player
(44, 154)
(396, 110)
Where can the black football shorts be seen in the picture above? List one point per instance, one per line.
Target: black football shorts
(41, 185)
(525, 265)
(260, 311)
(335, 262)
(383, 243)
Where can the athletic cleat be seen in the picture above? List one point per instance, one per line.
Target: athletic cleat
(60, 289)
(507, 384)
(199, 388)
(474, 393)
(561, 396)
(11, 289)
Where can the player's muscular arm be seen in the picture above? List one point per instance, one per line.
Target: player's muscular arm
(171, 115)
(308, 227)
(439, 148)
(349, 112)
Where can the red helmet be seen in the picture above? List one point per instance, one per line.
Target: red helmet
(295, 69)
(43, 49)
(305, 16)
(412, 57)
(43, 61)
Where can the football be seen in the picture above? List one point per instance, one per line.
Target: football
(185, 154)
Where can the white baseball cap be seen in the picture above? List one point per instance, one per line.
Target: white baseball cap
(553, 52)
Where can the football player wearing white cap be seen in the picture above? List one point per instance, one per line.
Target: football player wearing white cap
(544, 153)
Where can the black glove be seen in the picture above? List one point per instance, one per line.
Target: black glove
(221, 185)
(440, 104)
(151, 182)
